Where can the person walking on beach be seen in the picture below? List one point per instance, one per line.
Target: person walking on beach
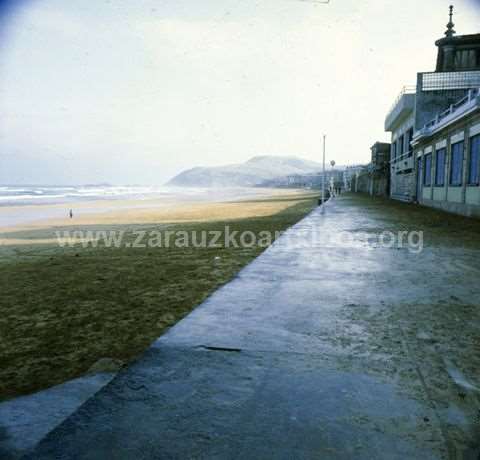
(71, 214)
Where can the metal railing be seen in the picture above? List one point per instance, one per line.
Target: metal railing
(444, 81)
(472, 94)
(403, 156)
(409, 89)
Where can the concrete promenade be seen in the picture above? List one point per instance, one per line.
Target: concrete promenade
(314, 351)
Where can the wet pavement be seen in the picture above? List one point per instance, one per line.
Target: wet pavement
(317, 350)
(26, 420)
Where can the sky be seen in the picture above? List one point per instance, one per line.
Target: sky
(134, 91)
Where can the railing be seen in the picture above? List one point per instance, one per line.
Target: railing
(444, 81)
(404, 156)
(410, 89)
(472, 94)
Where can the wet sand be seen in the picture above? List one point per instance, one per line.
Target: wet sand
(151, 211)
(28, 214)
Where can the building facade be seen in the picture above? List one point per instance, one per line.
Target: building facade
(362, 180)
(457, 72)
(401, 123)
(447, 153)
(350, 177)
(379, 184)
(374, 178)
(312, 180)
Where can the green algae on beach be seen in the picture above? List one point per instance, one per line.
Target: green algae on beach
(64, 309)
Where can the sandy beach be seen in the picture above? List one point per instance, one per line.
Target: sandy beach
(261, 203)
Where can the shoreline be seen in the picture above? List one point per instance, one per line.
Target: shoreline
(28, 217)
(152, 211)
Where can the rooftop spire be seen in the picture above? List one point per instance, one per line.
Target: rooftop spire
(450, 26)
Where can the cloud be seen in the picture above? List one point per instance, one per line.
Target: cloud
(182, 83)
(49, 20)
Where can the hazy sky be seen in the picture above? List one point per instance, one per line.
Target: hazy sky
(133, 91)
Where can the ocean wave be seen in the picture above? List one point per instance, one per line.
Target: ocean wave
(28, 197)
(70, 194)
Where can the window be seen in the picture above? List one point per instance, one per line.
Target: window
(473, 167)
(409, 140)
(465, 59)
(440, 157)
(394, 150)
(456, 168)
(401, 145)
(427, 175)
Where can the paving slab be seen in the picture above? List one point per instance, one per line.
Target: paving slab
(26, 420)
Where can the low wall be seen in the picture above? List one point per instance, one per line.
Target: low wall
(375, 185)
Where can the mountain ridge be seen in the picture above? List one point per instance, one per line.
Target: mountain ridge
(253, 172)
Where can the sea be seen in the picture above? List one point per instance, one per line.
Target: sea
(28, 203)
(35, 194)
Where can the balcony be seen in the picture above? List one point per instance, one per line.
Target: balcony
(403, 106)
(464, 106)
(403, 163)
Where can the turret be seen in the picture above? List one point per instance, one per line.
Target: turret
(457, 52)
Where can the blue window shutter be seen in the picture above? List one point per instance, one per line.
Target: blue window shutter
(440, 168)
(456, 169)
(428, 170)
(473, 174)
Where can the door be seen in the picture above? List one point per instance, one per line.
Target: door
(419, 178)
